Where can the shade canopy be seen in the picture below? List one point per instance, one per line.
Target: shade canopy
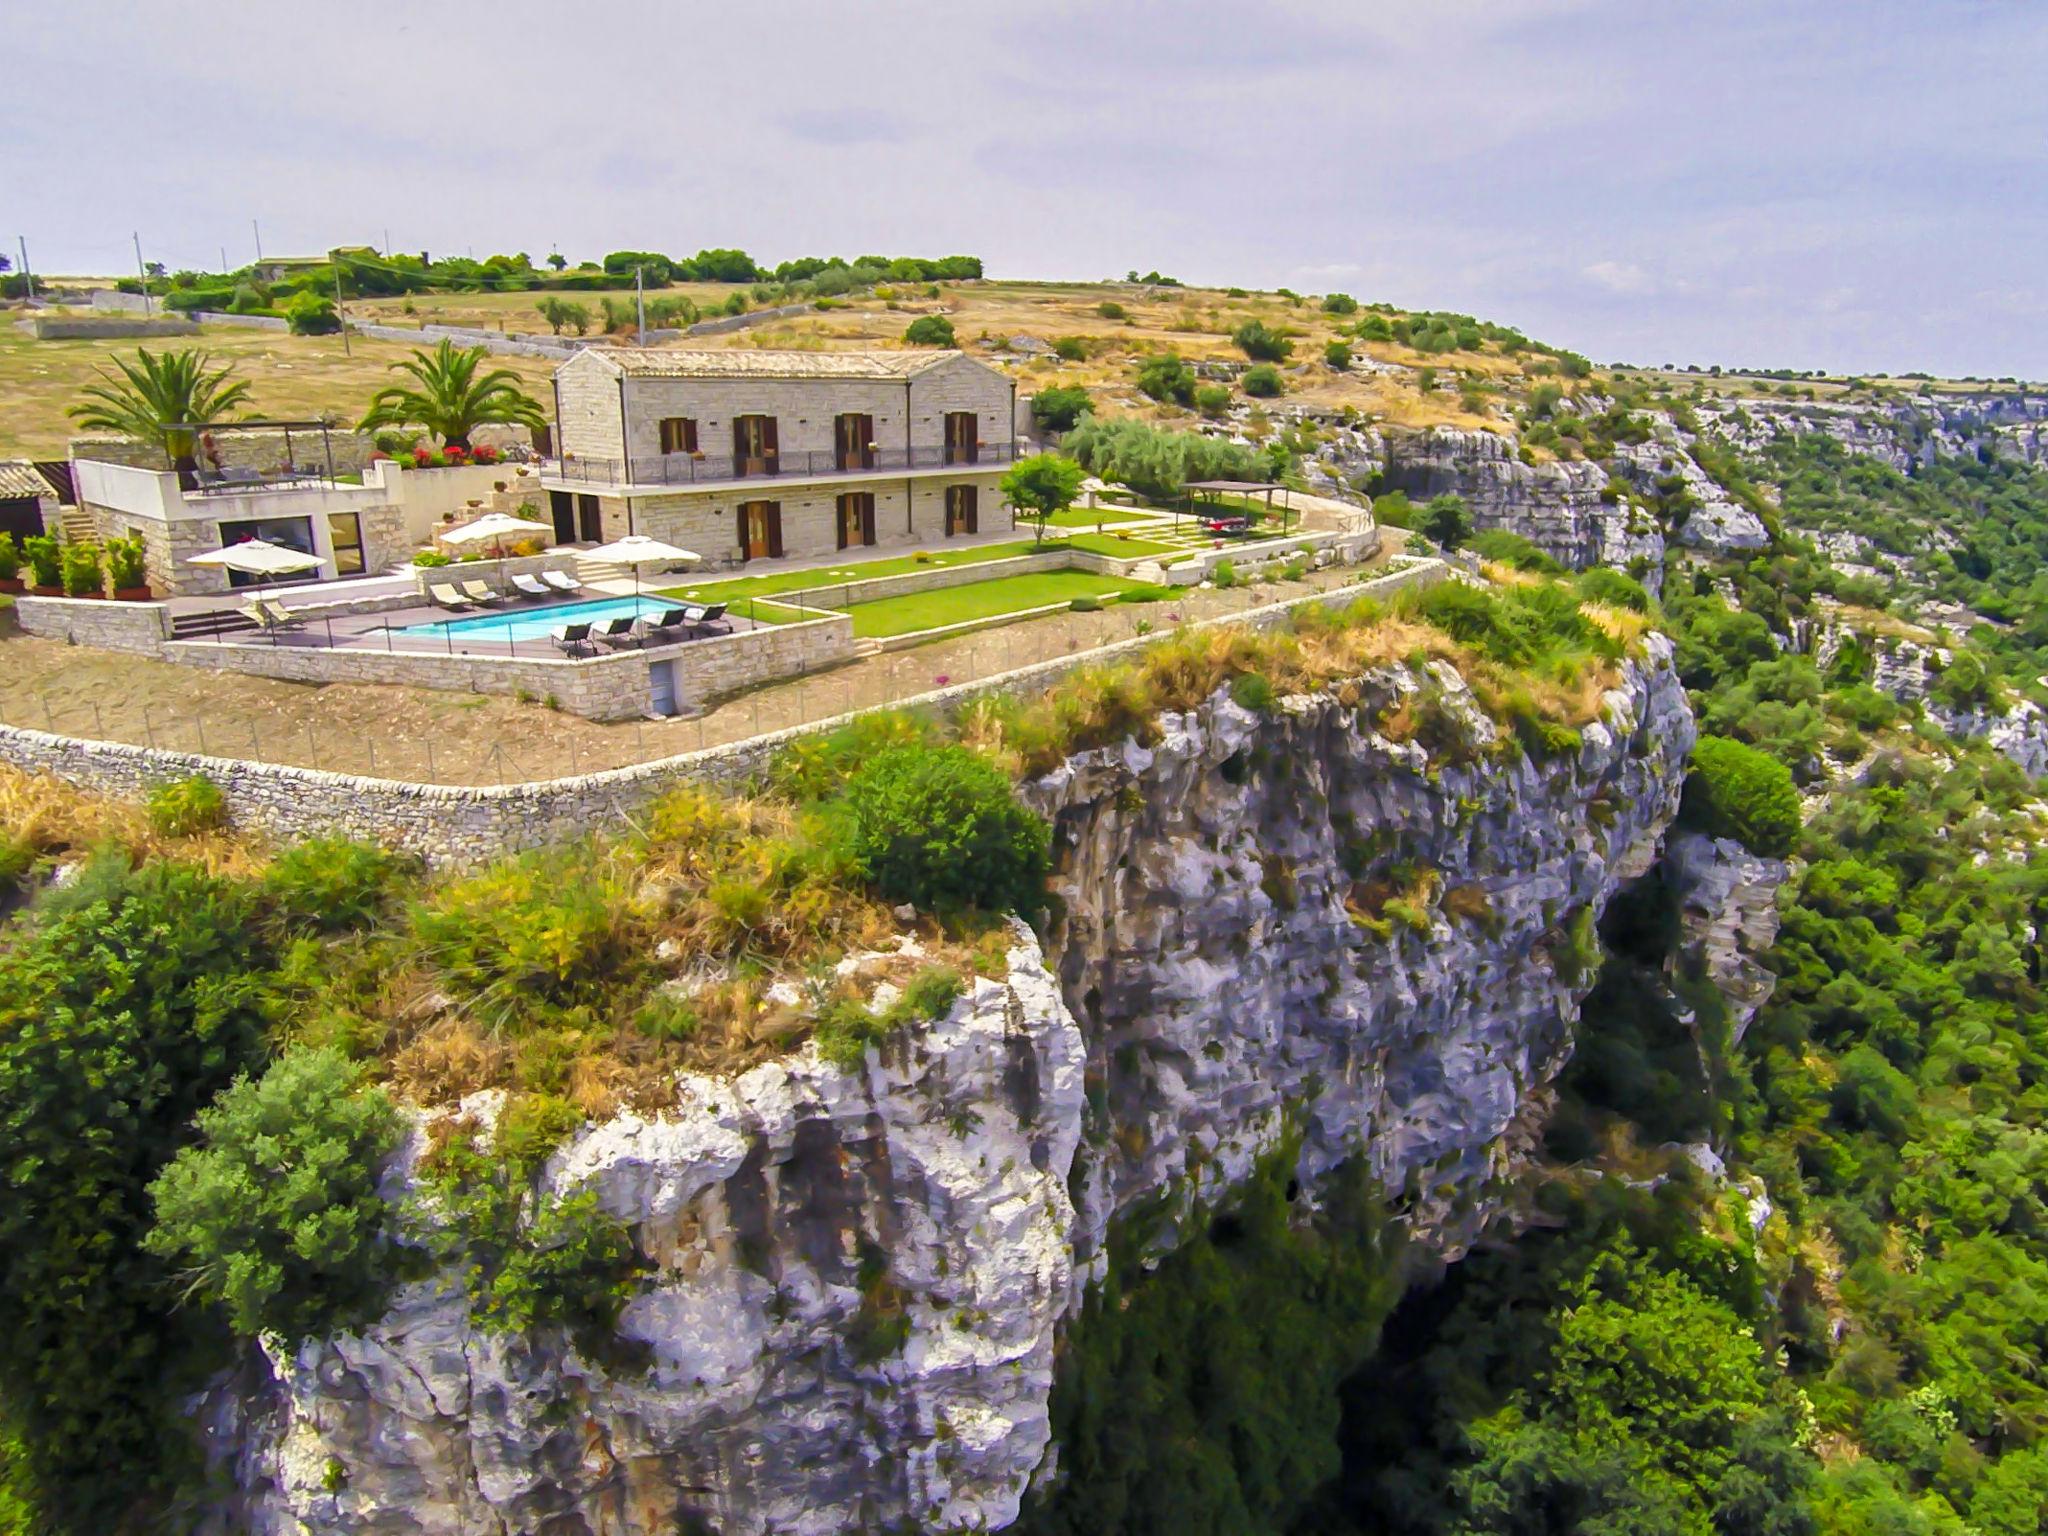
(636, 549)
(492, 526)
(254, 557)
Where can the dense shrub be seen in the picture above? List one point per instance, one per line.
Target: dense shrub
(274, 1214)
(45, 560)
(1262, 344)
(1263, 382)
(942, 829)
(1736, 791)
(1513, 549)
(331, 885)
(83, 576)
(930, 331)
(1109, 309)
(1166, 376)
(1212, 400)
(123, 1011)
(312, 314)
(1445, 520)
(126, 563)
(1339, 304)
(1070, 349)
(1058, 409)
(1157, 463)
(1604, 584)
(1337, 355)
(187, 807)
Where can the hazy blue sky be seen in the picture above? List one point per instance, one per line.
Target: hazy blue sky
(1854, 184)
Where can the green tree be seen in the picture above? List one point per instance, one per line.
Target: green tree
(941, 828)
(930, 331)
(1263, 382)
(1059, 408)
(1165, 376)
(275, 1214)
(165, 400)
(1042, 485)
(312, 314)
(451, 398)
(1736, 791)
(130, 1001)
(1262, 344)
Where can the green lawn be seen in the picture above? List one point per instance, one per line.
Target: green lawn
(1119, 549)
(980, 600)
(1086, 517)
(728, 589)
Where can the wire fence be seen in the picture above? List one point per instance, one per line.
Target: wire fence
(419, 735)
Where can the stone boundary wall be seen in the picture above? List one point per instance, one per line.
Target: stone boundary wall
(460, 824)
(87, 328)
(139, 628)
(615, 685)
(490, 341)
(246, 322)
(724, 323)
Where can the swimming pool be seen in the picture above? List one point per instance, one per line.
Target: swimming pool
(539, 623)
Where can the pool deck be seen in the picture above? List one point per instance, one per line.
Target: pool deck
(380, 631)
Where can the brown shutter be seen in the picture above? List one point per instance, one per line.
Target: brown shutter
(739, 444)
(768, 439)
(839, 521)
(969, 497)
(774, 528)
(867, 518)
(689, 434)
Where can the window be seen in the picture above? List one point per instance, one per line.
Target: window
(345, 532)
(678, 434)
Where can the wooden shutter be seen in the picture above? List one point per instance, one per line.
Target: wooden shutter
(689, 434)
(739, 445)
(774, 527)
(867, 519)
(768, 449)
(967, 505)
(839, 521)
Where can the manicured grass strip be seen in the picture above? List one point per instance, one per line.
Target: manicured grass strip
(762, 612)
(1088, 517)
(981, 600)
(726, 589)
(1119, 549)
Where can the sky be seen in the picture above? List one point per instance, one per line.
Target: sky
(1856, 185)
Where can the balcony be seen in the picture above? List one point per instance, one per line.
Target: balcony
(682, 471)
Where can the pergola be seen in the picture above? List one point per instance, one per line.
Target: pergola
(1211, 489)
(229, 479)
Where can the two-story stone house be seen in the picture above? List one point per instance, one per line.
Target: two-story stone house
(746, 456)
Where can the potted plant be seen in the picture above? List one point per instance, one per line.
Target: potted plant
(127, 571)
(82, 574)
(10, 564)
(45, 565)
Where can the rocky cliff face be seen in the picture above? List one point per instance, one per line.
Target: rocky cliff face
(1727, 900)
(861, 1277)
(1903, 433)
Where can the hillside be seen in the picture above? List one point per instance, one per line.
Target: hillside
(1561, 1050)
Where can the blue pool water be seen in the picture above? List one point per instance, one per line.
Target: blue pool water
(539, 623)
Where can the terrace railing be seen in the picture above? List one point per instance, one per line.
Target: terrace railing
(684, 469)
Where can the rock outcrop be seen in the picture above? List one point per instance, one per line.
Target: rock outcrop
(1727, 901)
(1266, 919)
(1904, 432)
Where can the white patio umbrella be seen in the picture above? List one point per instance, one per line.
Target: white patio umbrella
(636, 550)
(255, 557)
(494, 528)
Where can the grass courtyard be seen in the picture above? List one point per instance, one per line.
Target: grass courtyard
(980, 600)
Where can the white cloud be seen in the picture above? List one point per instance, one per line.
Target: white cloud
(1620, 277)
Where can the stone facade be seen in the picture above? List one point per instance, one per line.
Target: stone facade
(907, 511)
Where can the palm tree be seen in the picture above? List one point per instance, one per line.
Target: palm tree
(163, 400)
(453, 400)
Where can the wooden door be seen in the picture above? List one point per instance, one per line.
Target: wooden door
(961, 430)
(761, 529)
(867, 519)
(961, 513)
(590, 518)
(753, 445)
(853, 438)
(856, 519)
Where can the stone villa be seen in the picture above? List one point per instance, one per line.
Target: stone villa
(745, 456)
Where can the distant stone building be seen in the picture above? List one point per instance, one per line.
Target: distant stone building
(745, 456)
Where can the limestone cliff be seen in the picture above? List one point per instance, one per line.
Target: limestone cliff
(862, 1277)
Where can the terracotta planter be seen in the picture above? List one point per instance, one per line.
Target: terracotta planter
(132, 594)
(98, 597)
(34, 591)
(12, 584)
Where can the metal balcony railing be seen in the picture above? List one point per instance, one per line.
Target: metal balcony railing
(684, 469)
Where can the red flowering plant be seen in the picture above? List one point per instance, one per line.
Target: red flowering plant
(456, 454)
(483, 453)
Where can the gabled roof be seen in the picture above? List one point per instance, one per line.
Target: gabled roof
(744, 363)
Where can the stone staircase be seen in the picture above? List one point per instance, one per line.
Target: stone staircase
(75, 526)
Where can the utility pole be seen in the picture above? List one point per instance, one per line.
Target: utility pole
(142, 272)
(640, 303)
(257, 230)
(22, 241)
(339, 313)
(387, 242)
(223, 261)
